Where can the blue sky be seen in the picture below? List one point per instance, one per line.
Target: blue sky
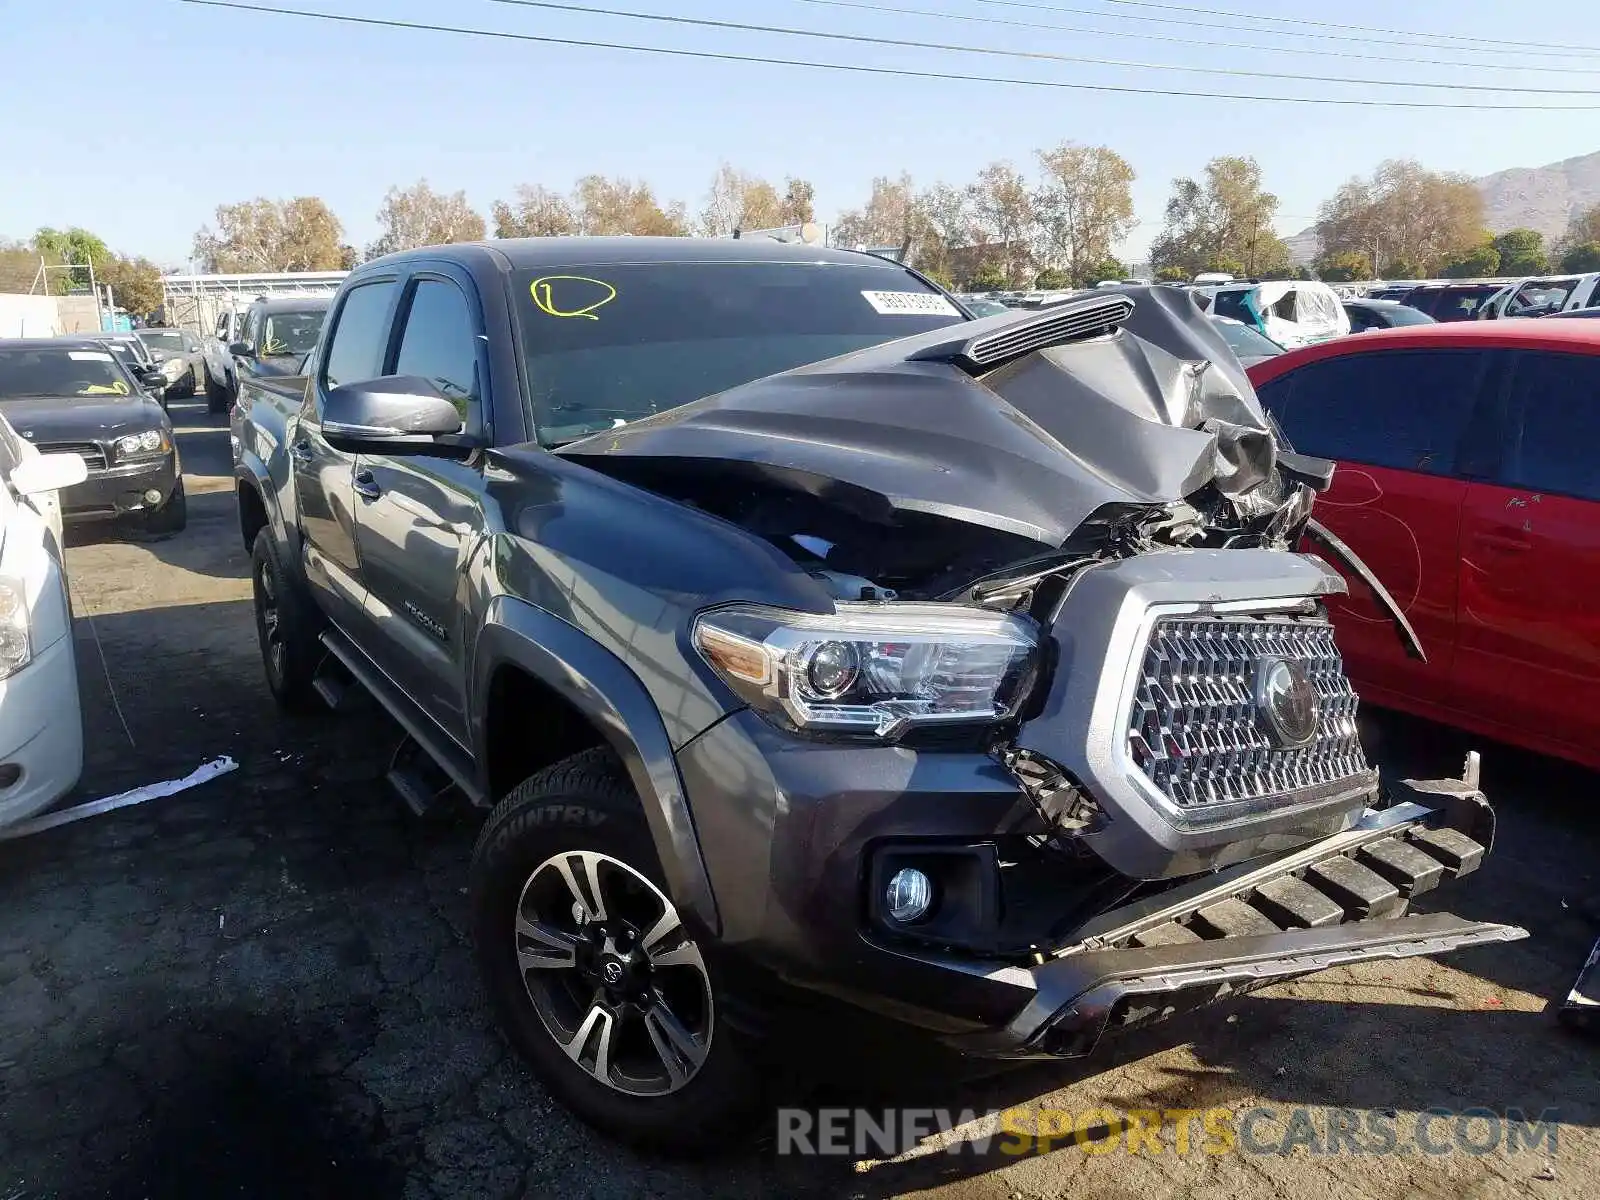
(136, 118)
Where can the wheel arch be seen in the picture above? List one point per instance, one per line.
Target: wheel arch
(518, 641)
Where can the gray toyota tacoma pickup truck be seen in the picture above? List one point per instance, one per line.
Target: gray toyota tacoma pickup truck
(809, 637)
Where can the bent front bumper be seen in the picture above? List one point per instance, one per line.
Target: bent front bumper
(121, 489)
(1341, 900)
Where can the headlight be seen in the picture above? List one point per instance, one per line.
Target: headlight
(873, 668)
(16, 649)
(173, 367)
(151, 441)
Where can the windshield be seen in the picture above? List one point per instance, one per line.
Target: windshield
(1231, 304)
(1401, 314)
(290, 334)
(986, 308)
(605, 345)
(55, 371)
(1246, 342)
(162, 339)
(1535, 299)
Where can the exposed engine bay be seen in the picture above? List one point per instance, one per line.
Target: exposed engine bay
(1112, 425)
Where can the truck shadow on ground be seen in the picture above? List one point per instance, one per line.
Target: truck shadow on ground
(1268, 1053)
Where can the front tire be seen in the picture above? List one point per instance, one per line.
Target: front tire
(218, 396)
(591, 972)
(285, 628)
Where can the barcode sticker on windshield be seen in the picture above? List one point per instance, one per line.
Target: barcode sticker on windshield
(89, 355)
(911, 304)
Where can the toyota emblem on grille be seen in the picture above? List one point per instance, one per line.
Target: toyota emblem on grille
(1287, 701)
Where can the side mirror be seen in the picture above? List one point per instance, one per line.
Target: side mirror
(242, 349)
(49, 473)
(390, 413)
(154, 378)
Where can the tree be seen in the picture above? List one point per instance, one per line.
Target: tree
(990, 277)
(1083, 206)
(617, 206)
(301, 234)
(1344, 266)
(1522, 252)
(135, 283)
(1172, 275)
(19, 266)
(1403, 268)
(1584, 227)
(419, 216)
(1003, 218)
(943, 219)
(1223, 224)
(68, 247)
(890, 217)
(740, 201)
(1475, 263)
(799, 204)
(1053, 279)
(1585, 256)
(1403, 213)
(349, 258)
(535, 212)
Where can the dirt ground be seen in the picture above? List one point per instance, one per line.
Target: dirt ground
(262, 986)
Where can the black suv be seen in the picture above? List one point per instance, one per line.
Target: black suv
(809, 637)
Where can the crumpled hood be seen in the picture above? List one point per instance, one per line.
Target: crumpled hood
(1145, 415)
(81, 418)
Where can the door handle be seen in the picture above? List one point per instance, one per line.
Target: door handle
(301, 452)
(366, 486)
(1504, 541)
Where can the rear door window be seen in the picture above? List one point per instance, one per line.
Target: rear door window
(1406, 410)
(1555, 418)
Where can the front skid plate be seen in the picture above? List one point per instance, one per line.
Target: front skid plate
(1084, 996)
(1582, 1009)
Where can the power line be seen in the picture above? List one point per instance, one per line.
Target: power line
(1495, 43)
(1319, 51)
(1192, 23)
(862, 39)
(895, 72)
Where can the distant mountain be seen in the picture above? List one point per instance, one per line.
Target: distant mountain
(1542, 198)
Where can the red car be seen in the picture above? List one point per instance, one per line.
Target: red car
(1469, 481)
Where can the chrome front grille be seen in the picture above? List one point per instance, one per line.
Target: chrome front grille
(1195, 728)
(91, 453)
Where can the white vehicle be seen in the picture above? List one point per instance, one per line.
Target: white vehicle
(1543, 295)
(1212, 278)
(41, 723)
(1292, 312)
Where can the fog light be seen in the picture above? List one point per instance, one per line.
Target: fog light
(910, 895)
(151, 496)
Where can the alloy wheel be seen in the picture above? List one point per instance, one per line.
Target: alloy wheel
(617, 981)
(267, 608)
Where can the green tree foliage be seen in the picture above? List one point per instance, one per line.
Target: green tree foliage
(1478, 262)
(1344, 266)
(1522, 252)
(1054, 279)
(135, 283)
(990, 277)
(76, 248)
(1404, 213)
(1585, 256)
(1172, 275)
(1403, 268)
(1221, 223)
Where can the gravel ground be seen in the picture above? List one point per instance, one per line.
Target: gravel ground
(262, 987)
